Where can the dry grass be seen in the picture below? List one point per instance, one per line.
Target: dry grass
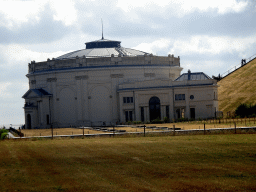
(237, 88)
(58, 131)
(155, 127)
(182, 163)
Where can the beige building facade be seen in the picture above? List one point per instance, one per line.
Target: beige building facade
(106, 84)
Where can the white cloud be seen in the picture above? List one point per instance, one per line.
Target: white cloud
(15, 13)
(204, 44)
(211, 45)
(184, 7)
(3, 89)
(154, 47)
(7, 89)
(64, 11)
(17, 53)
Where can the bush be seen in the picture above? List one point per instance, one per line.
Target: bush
(245, 110)
(3, 136)
(3, 133)
(181, 120)
(166, 120)
(157, 121)
(242, 110)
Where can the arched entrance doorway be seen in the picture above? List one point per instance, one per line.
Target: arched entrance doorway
(28, 121)
(154, 108)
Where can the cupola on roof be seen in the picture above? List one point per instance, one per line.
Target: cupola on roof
(103, 43)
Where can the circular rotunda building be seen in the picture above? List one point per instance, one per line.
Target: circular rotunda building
(106, 84)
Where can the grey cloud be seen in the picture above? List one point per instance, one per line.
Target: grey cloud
(46, 30)
(166, 25)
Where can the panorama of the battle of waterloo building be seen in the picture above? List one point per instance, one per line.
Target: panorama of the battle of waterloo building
(106, 84)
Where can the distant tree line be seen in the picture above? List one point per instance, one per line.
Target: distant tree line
(246, 110)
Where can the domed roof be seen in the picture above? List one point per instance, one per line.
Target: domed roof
(103, 48)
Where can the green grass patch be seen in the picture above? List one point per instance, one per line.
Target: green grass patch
(167, 163)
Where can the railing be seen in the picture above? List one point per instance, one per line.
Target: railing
(238, 66)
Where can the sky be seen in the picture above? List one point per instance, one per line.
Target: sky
(209, 36)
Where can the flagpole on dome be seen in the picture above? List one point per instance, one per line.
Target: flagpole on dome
(102, 28)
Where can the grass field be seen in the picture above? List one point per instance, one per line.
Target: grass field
(181, 163)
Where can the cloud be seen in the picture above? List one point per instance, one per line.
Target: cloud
(203, 44)
(64, 11)
(212, 45)
(154, 47)
(16, 13)
(184, 7)
(16, 53)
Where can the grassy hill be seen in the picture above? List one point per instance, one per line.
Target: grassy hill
(237, 88)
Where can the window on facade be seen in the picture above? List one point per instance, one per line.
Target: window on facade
(167, 112)
(127, 99)
(215, 96)
(179, 97)
(142, 114)
(48, 119)
(182, 113)
(128, 116)
(192, 113)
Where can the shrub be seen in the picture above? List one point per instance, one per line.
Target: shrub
(156, 121)
(166, 120)
(3, 133)
(242, 110)
(3, 136)
(181, 120)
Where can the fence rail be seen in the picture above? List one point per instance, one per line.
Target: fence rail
(234, 68)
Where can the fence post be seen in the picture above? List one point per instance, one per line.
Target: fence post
(173, 130)
(83, 131)
(204, 129)
(144, 130)
(52, 131)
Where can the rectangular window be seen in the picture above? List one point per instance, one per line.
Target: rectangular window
(128, 116)
(182, 113)
(48, 119)
(167, 112)
(142, 114)
(192, 113)
(179, 97)
(127, 99)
